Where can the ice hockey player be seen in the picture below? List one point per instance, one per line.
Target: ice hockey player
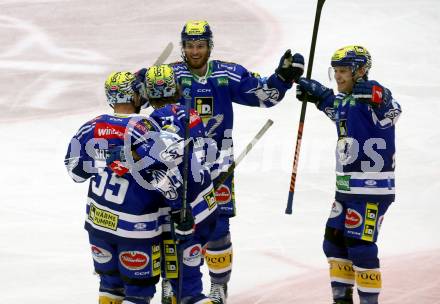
(365, 115)
(133, 186)
(213, 86)
(163, 93)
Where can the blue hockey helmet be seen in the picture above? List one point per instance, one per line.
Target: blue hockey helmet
(354, 56)
(197, 30)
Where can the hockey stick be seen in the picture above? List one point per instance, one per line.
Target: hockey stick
(222, 177)
(184, 194)
(303, 109)
(165, 54)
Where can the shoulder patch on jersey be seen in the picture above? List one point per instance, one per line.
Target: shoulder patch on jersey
(223, 65)
(225, 62)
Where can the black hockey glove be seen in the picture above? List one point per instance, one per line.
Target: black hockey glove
(312, 91)
(371, 92)
(182, 230)
(290, 67)
(139, 87)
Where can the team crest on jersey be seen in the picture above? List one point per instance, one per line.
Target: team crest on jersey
(205, 107)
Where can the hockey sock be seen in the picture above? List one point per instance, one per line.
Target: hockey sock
(106, 298)
(369, 284)
(218, 256)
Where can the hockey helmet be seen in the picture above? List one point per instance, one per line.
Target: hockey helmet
(160, 83)
(118, 88)
(355, 56)
(197, 30)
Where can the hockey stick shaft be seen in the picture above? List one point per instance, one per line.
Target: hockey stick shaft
(184, 193)
(222, 177)
(303, 110)
(165, 54)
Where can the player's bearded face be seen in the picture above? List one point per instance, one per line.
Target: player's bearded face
(196, 53)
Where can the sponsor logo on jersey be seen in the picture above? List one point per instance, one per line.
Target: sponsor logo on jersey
(343, 182)
(205, 107)
(210, 199)
(192, 255)
(171, 268)
(336, 209)
(133, 260)
(170, 248)
(155, 259)
(142, 125)
(222, 81)
(108, 131)
(204, 90)
(371, 213)
(353, 219)
(186, 81)
(223, 195)
(140, 226)
(227, 65)
(370, 183)
(103, 218)
(100, 255)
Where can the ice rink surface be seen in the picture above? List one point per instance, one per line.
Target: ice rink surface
(54, 58)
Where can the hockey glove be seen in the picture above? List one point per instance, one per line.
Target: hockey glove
(312, 91)
(139, 86)
(182, 230)
(371, 92)
(290, 68)
(114, 159)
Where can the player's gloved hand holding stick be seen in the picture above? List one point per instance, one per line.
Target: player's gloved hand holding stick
(312, 91)
(371, 92)
(182, 230)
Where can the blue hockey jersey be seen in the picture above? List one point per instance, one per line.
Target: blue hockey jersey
(200, 195)
(212, 96)
(365, 151)
(130, 199)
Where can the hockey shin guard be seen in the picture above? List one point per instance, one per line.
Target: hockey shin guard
(110, 299)
(369, 284)
(218, 256)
